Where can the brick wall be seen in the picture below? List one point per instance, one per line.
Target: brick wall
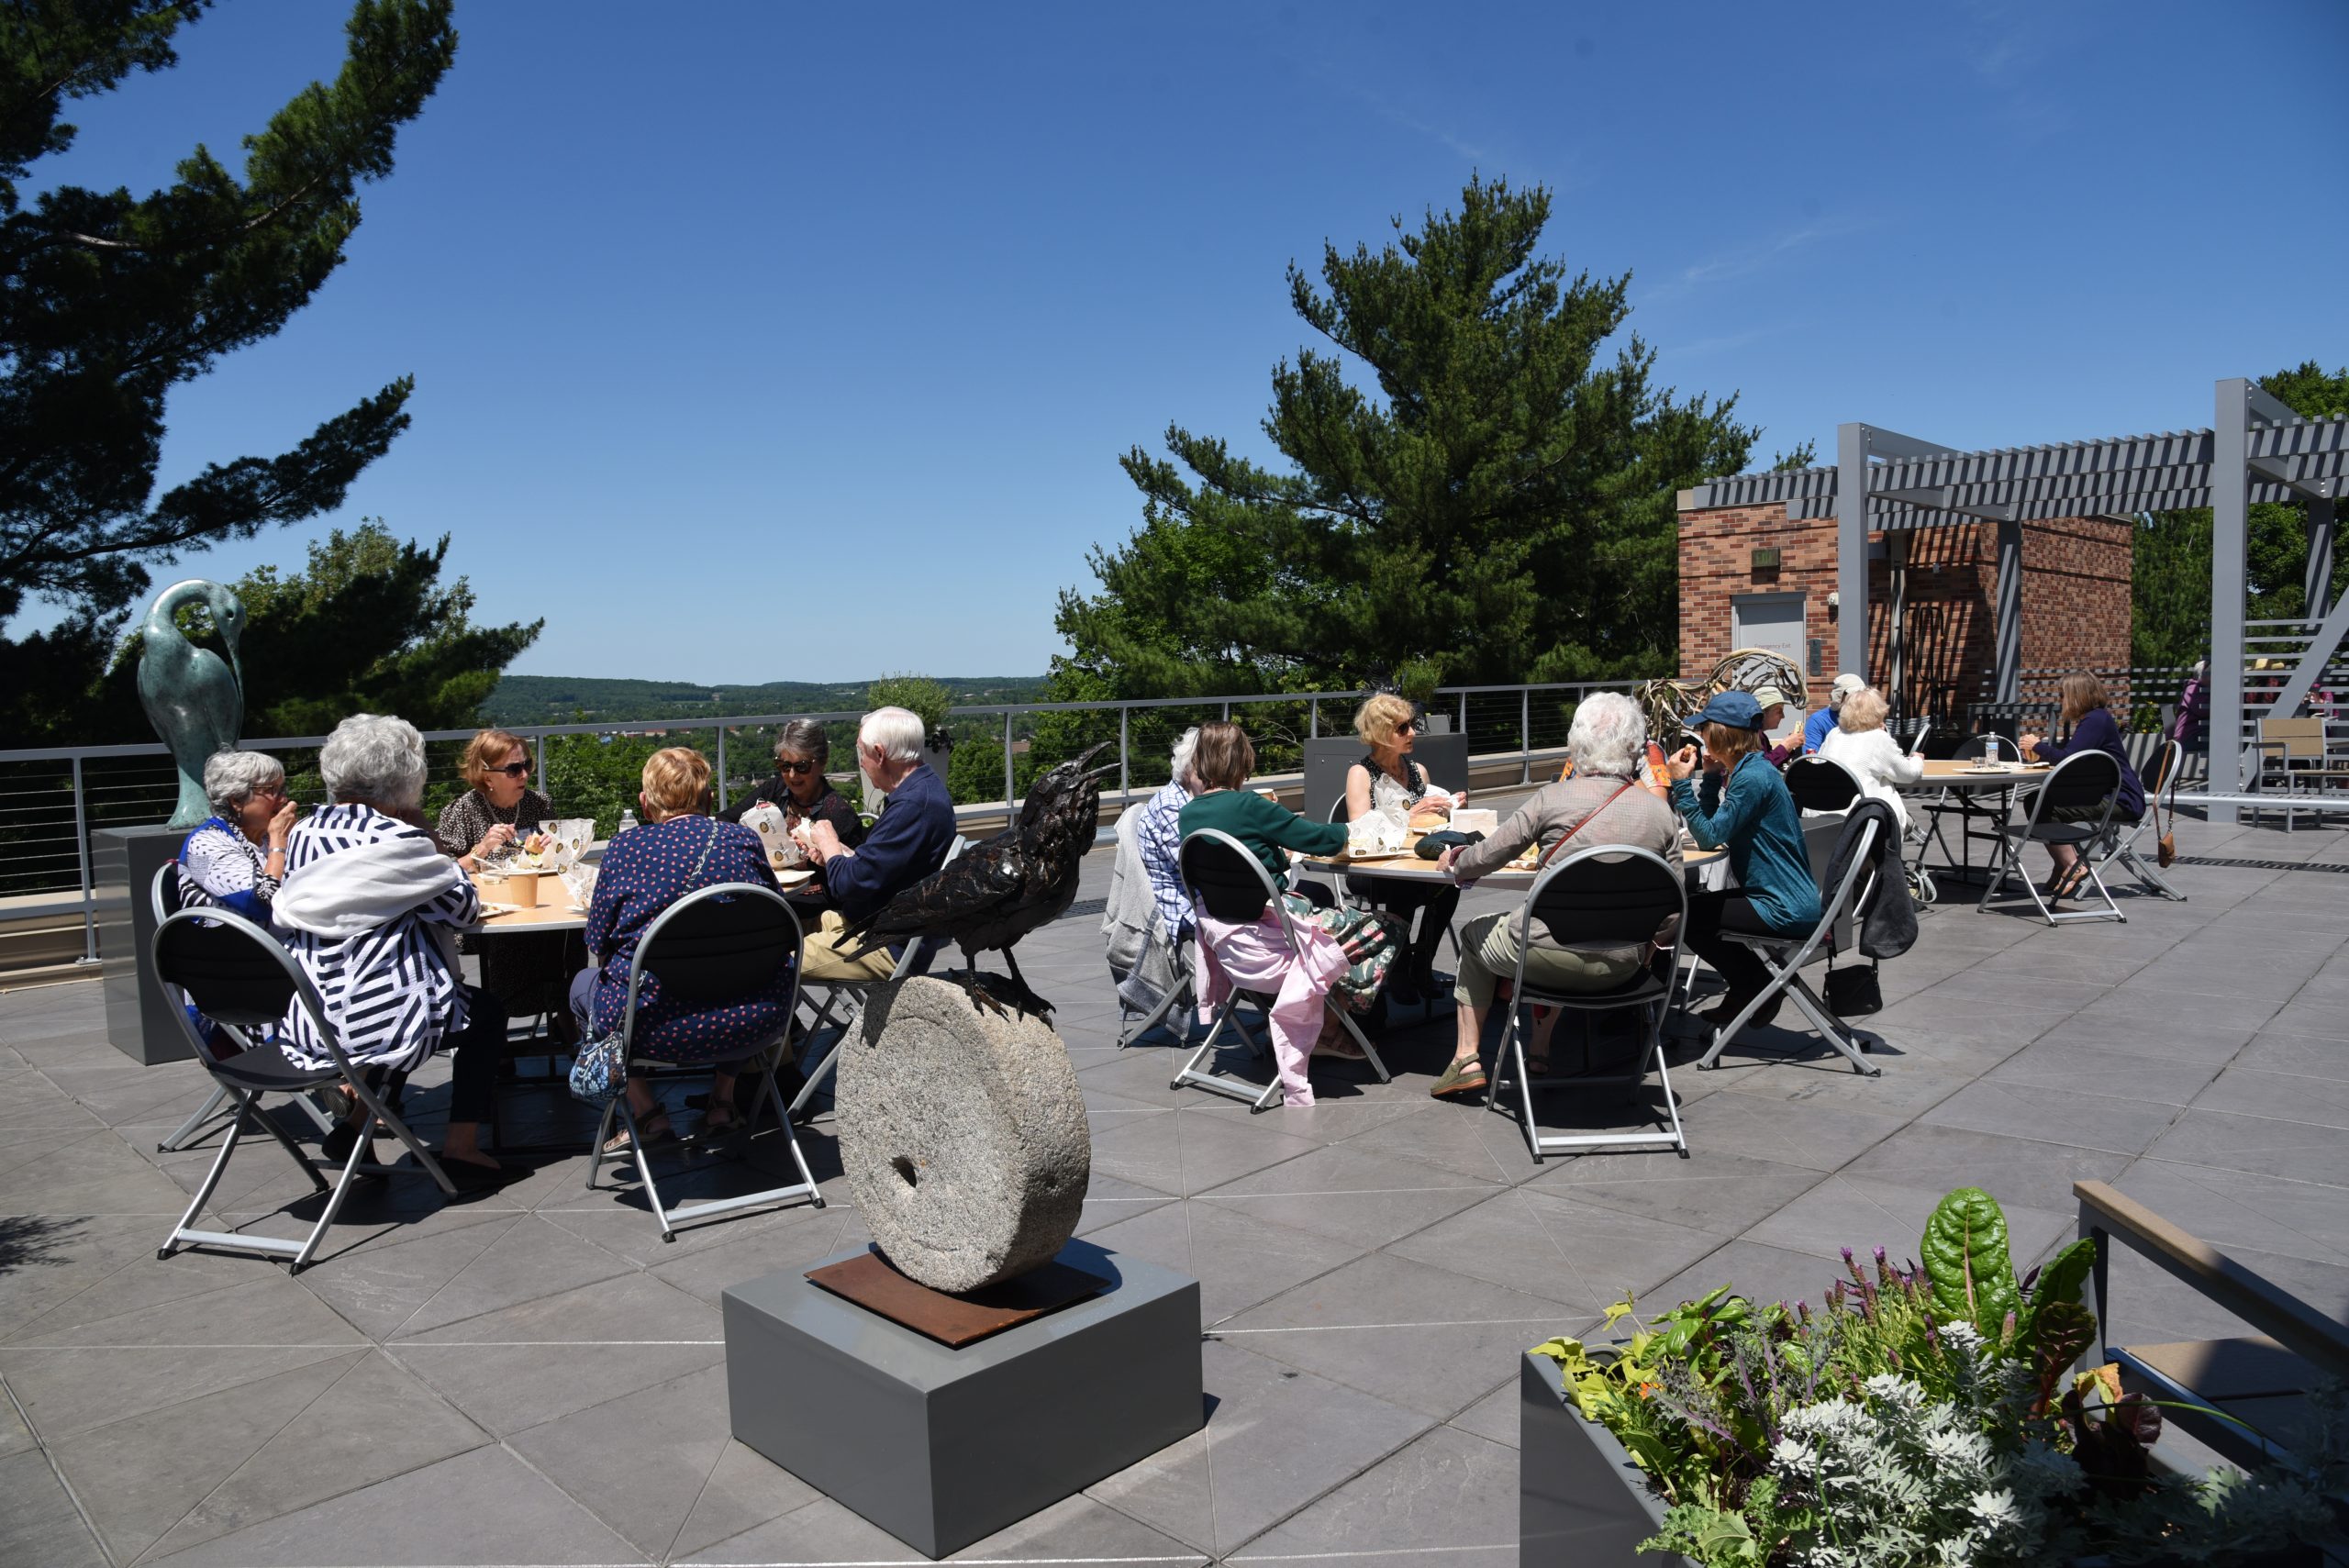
(2075, 604)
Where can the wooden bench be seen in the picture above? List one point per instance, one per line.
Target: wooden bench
(2261, 1380)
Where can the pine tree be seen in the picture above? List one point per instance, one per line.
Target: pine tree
(1474, 492)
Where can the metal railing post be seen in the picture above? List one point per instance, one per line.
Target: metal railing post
(82, 858)
(1463, 712)
(1313, 723)
(1008, 793)
(1525, 730)
(720, 803)
(1125, 764)
(1227, 711)
(540, 750)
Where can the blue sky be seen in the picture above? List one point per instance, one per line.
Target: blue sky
(764, 342)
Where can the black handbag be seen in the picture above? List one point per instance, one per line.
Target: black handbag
(1855, 992)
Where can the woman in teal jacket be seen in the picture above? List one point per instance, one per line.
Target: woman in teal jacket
(1743, 806)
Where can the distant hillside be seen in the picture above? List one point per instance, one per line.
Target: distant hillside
(566, 699)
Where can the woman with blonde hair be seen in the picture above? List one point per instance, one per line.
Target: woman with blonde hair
(525, 970)
(1743, 807)
(2094, 729)
(679, 847)
(1867, 750)
(1387, 781)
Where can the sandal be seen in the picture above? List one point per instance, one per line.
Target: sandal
(2069, 884)
(1459, 1078)
(721, 1121)
(656, 1129)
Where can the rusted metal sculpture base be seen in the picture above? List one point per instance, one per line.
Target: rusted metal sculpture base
(870, 1281)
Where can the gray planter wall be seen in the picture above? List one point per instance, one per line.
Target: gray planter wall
(1581, 1503)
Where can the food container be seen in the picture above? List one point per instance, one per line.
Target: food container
(522, 888)
(1476, 820)
(773, 829)
(1375, 833)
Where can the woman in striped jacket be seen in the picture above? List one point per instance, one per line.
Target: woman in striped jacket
(369, 908)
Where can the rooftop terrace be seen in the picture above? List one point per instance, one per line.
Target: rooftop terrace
(534, 1378)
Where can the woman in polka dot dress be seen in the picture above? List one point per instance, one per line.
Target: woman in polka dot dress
(679, 847)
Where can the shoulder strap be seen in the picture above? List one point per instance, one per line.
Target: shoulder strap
(1578, 827)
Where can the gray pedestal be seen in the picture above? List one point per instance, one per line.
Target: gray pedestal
(123, 862)
(941, 1448)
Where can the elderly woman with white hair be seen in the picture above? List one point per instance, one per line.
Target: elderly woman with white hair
(1863, 746)
(235, 858)
(1602, 803)
(368, 909)
(908, 841)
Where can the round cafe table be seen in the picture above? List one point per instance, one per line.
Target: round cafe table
(1704, 869)
(1974, 781)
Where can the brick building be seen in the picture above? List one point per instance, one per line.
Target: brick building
(1750, 571)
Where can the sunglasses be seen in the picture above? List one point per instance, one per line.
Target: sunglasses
(513, 770)
(1409, 726)
(808, 767)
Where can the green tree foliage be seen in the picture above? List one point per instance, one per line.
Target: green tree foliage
(1472, 492)
(2171, 572)
(112, 300)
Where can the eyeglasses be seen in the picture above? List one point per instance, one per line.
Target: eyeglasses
(808, 766)
(513, 770)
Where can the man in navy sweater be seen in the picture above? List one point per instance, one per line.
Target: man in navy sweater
(908, 841)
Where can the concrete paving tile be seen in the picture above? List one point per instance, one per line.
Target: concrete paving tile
(2054, 1115)
(2322, 1019)
(2020, 1172)
(1276, 1438)
(1409, 1333)
(15, 1435)
(1182, 1154)
(817, 1531)
(481, 1506)
(1725, 1194)
(1551, 1244)
(2324, 1102)
(805, 1239)
(140, 1475)
(30, 1103)
(1450, 1138)
(1754, 1270)
(262, 1304)
(2294, 1150)
(323, 1452)
(1904, 1089)
(744, 1490)
(1449, 1492)
(1785, 1132)
(1324, 1121)
(1108, 1201)
(532, 1257)
(2154, 1038)
(2267, 1213)
(1365, 1200)
(97, 1174)
(47, 1259)
(38, 1523)
(2114, 1071)
(69, 1391)
(1864, 1214)
(2177, 1009)
(1493, 1417)
(1238, 1258)
(645, 1486)
(1080, 1530)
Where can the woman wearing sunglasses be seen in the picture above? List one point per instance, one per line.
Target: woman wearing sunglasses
(799, 786)
(1388, 780)
(528, 971)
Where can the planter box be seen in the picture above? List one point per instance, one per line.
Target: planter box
(1581, 1503)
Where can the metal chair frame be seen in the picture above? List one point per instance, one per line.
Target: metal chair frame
(914, 960)
(247, 1085)
(1645, 992)
(1784, 958)
(165, 906)
(2038, 828)
(669, 1218)
(1207, 1078)
(1966, 805)
(2120, 841)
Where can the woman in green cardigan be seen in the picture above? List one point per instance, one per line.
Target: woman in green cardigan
(1743, 806)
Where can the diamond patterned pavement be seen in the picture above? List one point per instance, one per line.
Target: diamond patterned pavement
(534, 1378)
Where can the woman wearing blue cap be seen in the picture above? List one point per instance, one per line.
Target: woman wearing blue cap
(1743, 807)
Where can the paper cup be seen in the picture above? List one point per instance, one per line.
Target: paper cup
(522, 888)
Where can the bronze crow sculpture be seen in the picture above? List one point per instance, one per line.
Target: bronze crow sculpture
(993, 894)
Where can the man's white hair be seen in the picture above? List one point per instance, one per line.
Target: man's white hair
(231, 777)
(1607, 735)
(1185, 750)
(896, 733)
(375, 758)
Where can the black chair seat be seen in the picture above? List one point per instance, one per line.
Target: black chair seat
(1641, 987)
(269, 1070)
(2062, 833)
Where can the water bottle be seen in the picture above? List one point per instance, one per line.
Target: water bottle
(628, 820)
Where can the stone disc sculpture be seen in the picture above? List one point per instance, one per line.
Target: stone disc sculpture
(964, 1136)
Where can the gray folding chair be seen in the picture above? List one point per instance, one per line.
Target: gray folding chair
(714, 945)
(1233, 885)
(2120, 841)
(1783, 957)
(244, 981)
(2089, 780)
(164, 896)
(1607, 895)
(1822, 783)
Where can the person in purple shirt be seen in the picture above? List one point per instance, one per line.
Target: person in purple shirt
(2094, 729)
(908, 841)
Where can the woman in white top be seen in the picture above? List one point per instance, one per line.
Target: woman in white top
(1860, 742)
(1388, 781)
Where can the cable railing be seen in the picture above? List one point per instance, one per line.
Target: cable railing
(53, 799)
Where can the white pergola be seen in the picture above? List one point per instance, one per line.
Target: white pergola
(2256, 449)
